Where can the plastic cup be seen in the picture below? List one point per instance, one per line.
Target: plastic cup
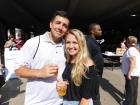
(63, 88)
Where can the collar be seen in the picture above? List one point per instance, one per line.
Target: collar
(47, 38)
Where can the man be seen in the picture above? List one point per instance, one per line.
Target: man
(96, 55)
(42, 61)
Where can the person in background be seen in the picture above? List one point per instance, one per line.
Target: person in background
(18, 41)
(96, 54)
(80, 70)
(41, 60)
(123, 46)
(131, 70)
(10, 43)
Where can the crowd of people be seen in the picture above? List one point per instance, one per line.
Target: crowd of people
(67, 54)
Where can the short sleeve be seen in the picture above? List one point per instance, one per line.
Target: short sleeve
(25, 55)
(89, 84)
(132, 51)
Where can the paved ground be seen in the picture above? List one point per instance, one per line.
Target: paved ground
(112, 86)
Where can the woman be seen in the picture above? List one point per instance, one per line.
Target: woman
(10, 43)
(80, 70)
(131, 70)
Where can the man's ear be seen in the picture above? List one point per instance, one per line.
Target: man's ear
(50, 24)
(92, 32)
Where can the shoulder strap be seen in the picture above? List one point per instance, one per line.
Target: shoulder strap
(37, 48)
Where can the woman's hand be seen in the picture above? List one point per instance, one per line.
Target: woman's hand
(84, 101)
(61, 87)
(58, 85)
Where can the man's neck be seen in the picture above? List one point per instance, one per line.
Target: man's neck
(93, 36)
(55, 40)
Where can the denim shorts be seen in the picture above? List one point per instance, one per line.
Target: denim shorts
(65, 102)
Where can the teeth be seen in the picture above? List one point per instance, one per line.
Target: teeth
(72, 50)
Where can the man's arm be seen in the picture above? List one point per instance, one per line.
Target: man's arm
(45, 72)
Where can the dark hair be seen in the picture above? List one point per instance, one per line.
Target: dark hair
(60, 13)
(11, 36)
(91, 26)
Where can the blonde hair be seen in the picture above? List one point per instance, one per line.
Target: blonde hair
(132, 41)
(79, 69)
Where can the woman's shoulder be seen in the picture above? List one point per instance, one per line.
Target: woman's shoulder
(89, 62)
(91, 68)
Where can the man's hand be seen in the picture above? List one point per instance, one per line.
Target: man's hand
(48, 70)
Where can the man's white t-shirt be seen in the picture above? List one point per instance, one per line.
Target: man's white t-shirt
(131, 52)
(42, 91)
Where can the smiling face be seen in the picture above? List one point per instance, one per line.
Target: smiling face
(59, 26)
(71, 45)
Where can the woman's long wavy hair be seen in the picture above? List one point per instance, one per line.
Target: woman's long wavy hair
(79, 69)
